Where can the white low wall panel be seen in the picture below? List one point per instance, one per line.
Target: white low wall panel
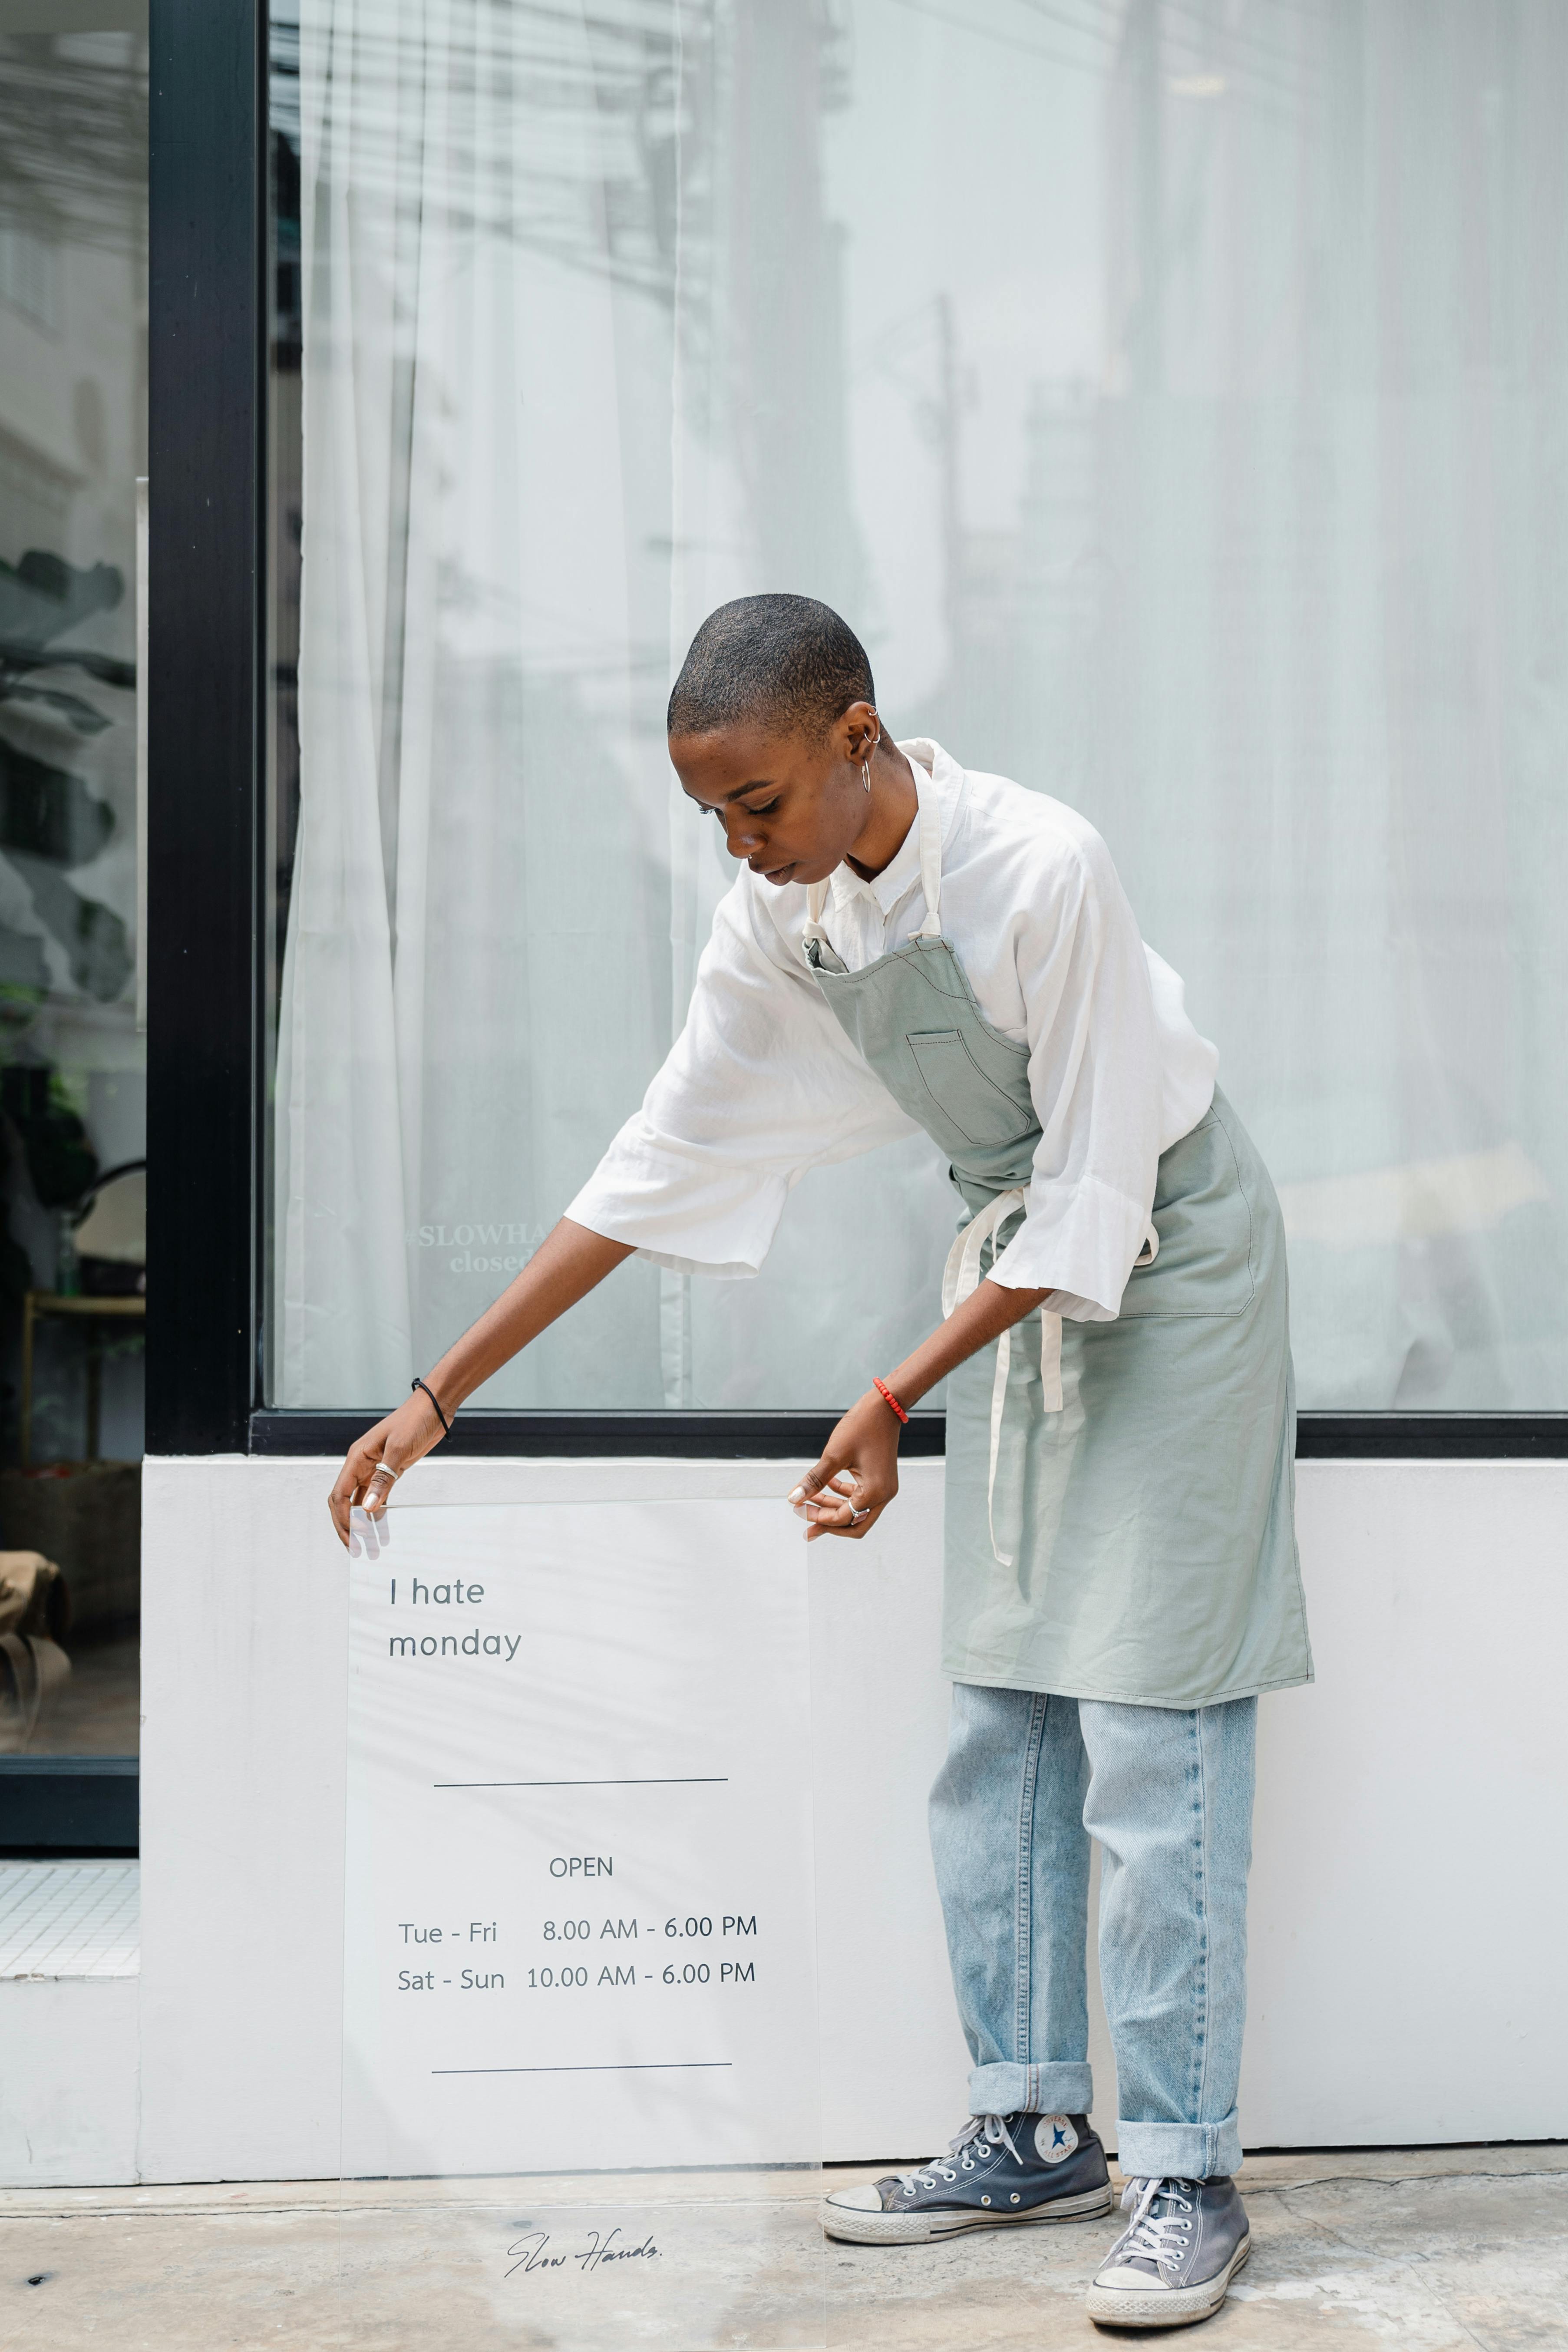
(1408, 1892)
(68, 2081)
(1409, 1909)
(243, 1715)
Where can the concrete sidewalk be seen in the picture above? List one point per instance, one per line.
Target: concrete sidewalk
(1447, 2250)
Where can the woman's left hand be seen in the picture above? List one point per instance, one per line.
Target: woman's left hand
(858, 1475)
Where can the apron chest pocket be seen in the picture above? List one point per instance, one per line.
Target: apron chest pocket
(977, 1107)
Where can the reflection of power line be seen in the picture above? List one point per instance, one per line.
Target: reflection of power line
(665, 21)
(1237, 38)
(563, 134)
(1004, 40)
(1110, 32)
(1224, 43)
(651, 661)
(1239, 70)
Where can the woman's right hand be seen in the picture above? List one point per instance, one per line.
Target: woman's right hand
(371, 1468)
(566, 1266)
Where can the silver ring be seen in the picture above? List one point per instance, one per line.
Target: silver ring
(384, 1470)
(856, 1517)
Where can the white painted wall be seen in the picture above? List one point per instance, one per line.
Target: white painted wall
(67, 2080)
(1410, 1901)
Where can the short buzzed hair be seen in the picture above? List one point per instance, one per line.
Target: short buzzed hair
(783, 657)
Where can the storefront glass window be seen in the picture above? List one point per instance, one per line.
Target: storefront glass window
(73, 274)
(1173, 406)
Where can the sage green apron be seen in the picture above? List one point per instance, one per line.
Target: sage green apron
(1120, 1496)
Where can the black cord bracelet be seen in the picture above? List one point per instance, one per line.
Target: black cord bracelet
(417, 1383)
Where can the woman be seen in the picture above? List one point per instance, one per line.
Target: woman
(909, 943)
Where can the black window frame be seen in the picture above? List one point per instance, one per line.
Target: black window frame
(207, 720)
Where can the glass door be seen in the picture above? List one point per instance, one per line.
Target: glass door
(73, 1284)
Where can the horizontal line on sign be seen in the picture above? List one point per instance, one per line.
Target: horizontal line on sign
(677, 1781)
(649, 2066)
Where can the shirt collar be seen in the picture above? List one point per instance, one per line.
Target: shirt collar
(935, 775)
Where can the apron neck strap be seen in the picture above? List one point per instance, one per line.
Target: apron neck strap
(929, 819)
(930, 822)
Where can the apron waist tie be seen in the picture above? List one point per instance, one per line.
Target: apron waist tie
(961, 1280)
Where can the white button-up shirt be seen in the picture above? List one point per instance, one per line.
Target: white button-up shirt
(762, 1084)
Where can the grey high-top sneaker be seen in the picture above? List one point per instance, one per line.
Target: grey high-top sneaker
(1000, 2169)
(1175, 2260)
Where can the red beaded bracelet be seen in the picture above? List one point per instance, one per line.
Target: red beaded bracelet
(886, 1393)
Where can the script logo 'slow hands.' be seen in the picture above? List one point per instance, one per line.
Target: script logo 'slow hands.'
(533, 2252)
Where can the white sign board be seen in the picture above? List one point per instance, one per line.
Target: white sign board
(580, 1927)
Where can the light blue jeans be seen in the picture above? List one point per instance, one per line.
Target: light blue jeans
(1029, 1779)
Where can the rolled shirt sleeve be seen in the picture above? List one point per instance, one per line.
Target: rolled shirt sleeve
(761, 1085)
(1095, 1074)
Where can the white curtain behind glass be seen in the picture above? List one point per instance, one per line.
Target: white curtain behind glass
(498, 895)
(1323, 709)
(1174, 407)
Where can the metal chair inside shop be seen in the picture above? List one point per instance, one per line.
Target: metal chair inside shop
(108, 1228)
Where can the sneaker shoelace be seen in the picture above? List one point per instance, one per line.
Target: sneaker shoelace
(1162, 2238)
(979, 2134)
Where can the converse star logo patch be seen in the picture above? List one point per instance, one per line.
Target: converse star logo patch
(1055, 2138)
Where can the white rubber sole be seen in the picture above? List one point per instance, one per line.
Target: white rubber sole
(859, 2229)
(1169, 2307)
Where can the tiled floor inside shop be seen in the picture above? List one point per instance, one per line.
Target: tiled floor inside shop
(1448, 2250)
(69, 1918)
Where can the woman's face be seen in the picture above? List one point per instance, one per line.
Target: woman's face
(792, 806)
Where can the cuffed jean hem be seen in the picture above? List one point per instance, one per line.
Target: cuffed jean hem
(1010, 2089)
(1181, 2151)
